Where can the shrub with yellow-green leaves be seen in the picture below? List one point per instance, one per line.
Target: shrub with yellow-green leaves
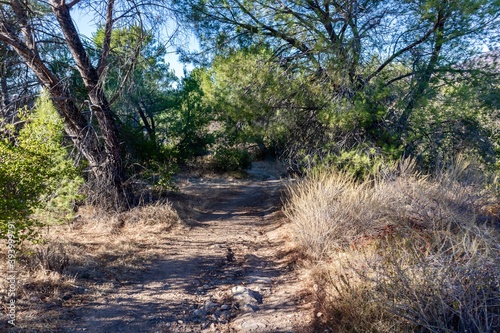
(38, 181)
(21, 184)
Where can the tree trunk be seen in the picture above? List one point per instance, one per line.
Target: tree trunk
(4, 102)
(150, 128)
(424, 80)
(109, 171)
(100, 147)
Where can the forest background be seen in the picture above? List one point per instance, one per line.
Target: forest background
(349, 84)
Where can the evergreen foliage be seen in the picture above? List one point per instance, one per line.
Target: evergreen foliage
(39, 183)
(318, 80)
(348, 85)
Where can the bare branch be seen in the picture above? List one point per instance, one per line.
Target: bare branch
(400, 77)
(107, 38)
(270, 31)
(72, 3)
(405, 49)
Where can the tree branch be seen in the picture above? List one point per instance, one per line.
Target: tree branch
(325, 19)
(72, 3)
(405, 49)
(26, 30)
(106, 45)
(275, 33)
(399, 78)
(85, 67)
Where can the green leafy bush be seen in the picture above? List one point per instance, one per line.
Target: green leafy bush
(358, 163)
(38, 182)
(22, 176)
(231, 159)
(44, 134)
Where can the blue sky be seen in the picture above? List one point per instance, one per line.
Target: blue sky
(87, 27)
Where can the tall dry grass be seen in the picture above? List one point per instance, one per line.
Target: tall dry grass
(404, 252)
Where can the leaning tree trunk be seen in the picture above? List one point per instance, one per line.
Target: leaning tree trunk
(424, 80)
(108, 171)
(99, 146)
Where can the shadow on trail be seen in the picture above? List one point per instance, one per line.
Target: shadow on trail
(144, 305)
(211, 201)
(211, 256)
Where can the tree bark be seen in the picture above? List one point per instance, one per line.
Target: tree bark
(424, 80)
(5, 92)
(150, 127)
(109, 172)
(102, 151)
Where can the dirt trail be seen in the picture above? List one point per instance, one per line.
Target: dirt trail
(230, 272)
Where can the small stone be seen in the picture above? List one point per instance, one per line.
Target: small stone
(180, 322)
(225, 307)
(245, 295)
(199, 313)
(250, 308)
(238, 290)
(210, 305)
(225, 315)
(319, 314)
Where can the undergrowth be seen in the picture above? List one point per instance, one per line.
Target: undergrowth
(402, 252)
(78, 261)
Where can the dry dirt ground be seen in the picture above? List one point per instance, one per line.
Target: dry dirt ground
(231, 269)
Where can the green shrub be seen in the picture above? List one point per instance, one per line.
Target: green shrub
(147, 162)
(44, 134)
(231, 159)
(22, 175)
(359, 163)
(38, 181)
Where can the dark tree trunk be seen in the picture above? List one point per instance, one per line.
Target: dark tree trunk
(102, 151)
(425, 78)
(150, 128)
(5, 93)
(109, 171)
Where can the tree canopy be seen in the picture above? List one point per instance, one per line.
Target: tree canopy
(379, 60)
(347, 84)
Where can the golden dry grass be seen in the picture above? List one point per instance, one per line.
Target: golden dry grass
(84, 259)
(403, 253)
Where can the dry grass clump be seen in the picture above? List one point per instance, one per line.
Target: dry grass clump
(402, 253)
(436, 283)
(160, 214)
(76, 262)
(329, 210)
(157, 214)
